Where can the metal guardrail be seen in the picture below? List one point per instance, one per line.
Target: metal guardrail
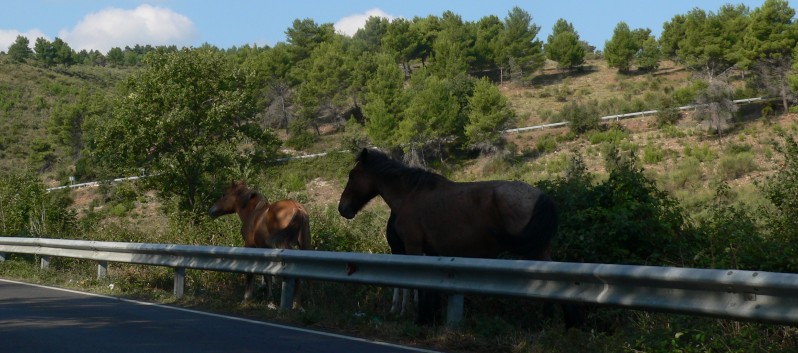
(623, 116)
(741, 295)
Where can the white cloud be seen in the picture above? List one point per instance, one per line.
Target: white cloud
(146, 24)
(350, 24)
(9, 36)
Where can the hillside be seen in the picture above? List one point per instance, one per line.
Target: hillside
(684, 160)
(29, 98)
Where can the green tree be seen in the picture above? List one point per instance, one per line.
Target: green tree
(432, 111)
(44, 52)
(370, 37)
(488, 114)
(62, 53)
(305, 36)
(620, 50)
(769, 43)
(649, 55)
(708, 43)
(564, 47)
(66, 120)
(27, 209)
(116, 57)
(383, 106)
(449, 58)
(488, 32)
(189, 120)
(20, 50)
(326, 91)
(403, 40)
(518, 48)
(672, 34)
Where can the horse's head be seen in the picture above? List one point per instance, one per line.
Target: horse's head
(360, 188)
(228, 202)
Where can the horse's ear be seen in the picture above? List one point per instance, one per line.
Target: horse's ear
(363, 154)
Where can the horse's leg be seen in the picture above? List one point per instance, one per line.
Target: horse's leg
(395, 301)
(248, 291)
(406, 299)
(397, 247)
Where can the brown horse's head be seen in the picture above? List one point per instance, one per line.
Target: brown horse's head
(360, 188)
(230, 201)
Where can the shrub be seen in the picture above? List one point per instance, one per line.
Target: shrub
(733, 166)
(582, 117)
(667, 117)
(602, 223)
(781, 190)
(613, 135)
(653, 154)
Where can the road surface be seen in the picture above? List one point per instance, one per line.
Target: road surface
(36, 318)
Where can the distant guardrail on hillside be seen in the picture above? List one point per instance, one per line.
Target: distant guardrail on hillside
(520, 129)
(623, 116)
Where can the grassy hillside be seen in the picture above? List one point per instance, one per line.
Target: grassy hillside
(28, 97)
(684, 160)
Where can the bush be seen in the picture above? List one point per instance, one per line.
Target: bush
(668, 116)
(582, 117)
(602, 223)
(733, 166)
(26, 208)
(781, 190)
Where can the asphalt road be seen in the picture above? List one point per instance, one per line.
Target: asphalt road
(36, 318)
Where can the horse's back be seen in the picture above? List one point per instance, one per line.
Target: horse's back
(288, 223)
(474, 219)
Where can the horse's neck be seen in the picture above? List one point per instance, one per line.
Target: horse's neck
(252, 207)
(394, 190)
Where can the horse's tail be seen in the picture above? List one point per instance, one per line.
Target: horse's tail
(302, 219)
(540, 230)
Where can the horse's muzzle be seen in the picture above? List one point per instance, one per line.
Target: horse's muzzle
(346, 211)
(213, 212)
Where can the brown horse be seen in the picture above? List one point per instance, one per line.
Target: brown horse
(436, 216)
(283, 224)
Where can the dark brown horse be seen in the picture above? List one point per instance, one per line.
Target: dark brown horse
(436, 216)
(283, 224)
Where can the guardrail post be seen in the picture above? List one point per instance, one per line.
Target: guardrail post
(2, 256)
(102, 269)
(454, 310)
(45, 262)
(287, 293)
(180, 281)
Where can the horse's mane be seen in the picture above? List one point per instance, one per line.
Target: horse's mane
(386, 167)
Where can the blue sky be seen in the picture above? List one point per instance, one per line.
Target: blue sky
(102, 24)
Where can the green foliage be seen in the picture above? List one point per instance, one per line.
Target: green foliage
(653, 154)
(735, 165)
(781, 190)
(188, 119)
(488, 114)
(26, 209)
(517, 48)
(731, 235)
(564, 47)
(600, 223)
(613, 136)
(582, 117)
(20, 50)
(668, 116)
(649, 55)
(434, 109)
(703, 153)
(620, 50)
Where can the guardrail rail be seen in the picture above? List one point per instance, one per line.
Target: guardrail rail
(733, 294)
